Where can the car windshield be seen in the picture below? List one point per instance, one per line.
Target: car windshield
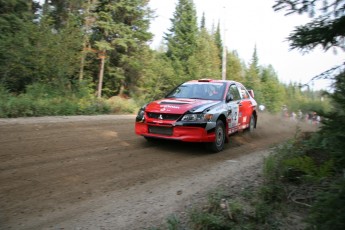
(199, 90)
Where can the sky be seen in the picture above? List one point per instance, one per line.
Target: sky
(249, 23)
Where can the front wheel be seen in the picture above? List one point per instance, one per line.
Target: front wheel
(218, 144)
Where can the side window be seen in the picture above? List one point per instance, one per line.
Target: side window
(234, 91)
(244, 92)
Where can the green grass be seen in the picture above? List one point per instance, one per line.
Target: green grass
(42, 100)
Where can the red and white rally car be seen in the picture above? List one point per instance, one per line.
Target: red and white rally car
(202, 110)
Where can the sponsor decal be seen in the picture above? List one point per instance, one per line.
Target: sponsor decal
(169, 107)
(245, 119)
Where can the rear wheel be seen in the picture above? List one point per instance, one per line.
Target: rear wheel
(251, 124)
(218, 144)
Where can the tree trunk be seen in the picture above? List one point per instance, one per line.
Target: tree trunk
(82, 63)
(101, 73)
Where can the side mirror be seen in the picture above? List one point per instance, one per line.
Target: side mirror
(251, 92)
(229, 97)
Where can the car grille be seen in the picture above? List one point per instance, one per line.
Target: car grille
(161, 130)
(164, 116)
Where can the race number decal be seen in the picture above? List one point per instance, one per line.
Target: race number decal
(232, 115)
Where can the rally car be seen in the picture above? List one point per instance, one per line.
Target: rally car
(202, 110)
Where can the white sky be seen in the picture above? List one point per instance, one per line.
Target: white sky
(253, 22)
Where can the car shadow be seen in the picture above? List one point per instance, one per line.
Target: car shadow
(190, 148)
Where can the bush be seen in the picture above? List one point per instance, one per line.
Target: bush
(328, 212)
(44, 100)
(122, 105)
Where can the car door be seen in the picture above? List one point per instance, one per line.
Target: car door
(233, 108)
(245, 107)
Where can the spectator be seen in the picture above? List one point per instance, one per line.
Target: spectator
(300, 115)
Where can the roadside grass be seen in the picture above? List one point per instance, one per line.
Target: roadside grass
(42, 100)
(300, 188)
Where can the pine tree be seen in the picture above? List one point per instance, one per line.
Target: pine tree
(203, 21)
(219, 43)
(327, 29)
(182, 36)
(205, 62)
(252, 80)
(121, 30)
(158, 77)
(235, 69)
(272, 90)
(60, 11)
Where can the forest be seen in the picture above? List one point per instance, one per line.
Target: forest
(88, 57)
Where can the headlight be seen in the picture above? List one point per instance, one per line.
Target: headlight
(197, 117)
(140, 116)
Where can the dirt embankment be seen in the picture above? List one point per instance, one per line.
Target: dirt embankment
(93, 172)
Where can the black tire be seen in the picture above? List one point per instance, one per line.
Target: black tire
(251, 124)
(218, 144)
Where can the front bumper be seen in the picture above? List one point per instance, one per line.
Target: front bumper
(182, 133)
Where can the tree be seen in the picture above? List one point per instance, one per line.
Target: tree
(158, 77)
(235, 70)
(60, 11)
(272, 90)
(252, 80)
(182, 36)
(327, 29)
(15, 18)
(219, 43)
(204, 63)
(39, 52)
(203, 21)
(121, 30)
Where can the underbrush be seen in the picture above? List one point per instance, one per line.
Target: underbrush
(42, 100)
(301, 188)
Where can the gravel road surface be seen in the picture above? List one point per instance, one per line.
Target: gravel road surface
(93, 172)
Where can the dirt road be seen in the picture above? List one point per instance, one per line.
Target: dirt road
(93, 172)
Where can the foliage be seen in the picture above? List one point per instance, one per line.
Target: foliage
(332, 135)
(61, 44)
(204, 220)
(234, 67)
(218, 41)
(272, 91)
(46, 100)
(182, 36)
(173, 222)
(253, 79)
(328, 212)
(326, 29)
(121, 105)
(205, 62)
(120, 31)
(308, 167)
(158, 78)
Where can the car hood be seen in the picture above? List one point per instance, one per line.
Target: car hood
(179, 106)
